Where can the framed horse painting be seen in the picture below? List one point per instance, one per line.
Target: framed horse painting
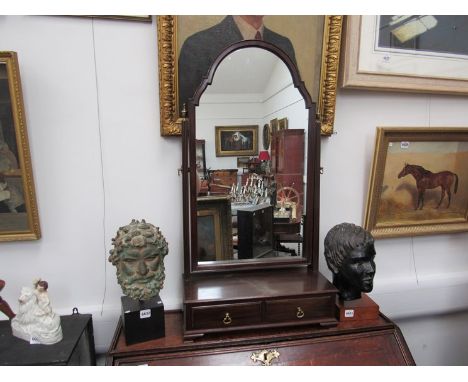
(418, 183)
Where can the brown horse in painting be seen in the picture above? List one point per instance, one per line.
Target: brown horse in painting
(426, 179)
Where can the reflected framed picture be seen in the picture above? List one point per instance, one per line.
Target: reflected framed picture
(282, 124)
(19, 219)
(274, 126)
(418, 183)
(236, 140)
(313, 41)
(200, 158)
(214, 228)
(411, 53)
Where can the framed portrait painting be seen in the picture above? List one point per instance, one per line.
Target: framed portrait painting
(313, 42)
(19, 218)
(414, 53)
(418, 183)
(236, 140)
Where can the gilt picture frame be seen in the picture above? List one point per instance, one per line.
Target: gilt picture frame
(236, 140)
(19, 218)
(370, 59)
(324, 55)
(418, 183)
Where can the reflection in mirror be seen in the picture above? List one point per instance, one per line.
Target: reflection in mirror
(250, 180)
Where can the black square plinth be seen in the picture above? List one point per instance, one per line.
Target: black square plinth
(142, 320)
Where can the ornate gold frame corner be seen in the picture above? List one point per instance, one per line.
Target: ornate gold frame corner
(24, 157)
(171, 122)
(333, 27)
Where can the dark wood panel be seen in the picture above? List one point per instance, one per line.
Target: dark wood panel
(289, 283)
(379, 348)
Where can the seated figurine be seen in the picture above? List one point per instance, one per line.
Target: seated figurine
(35, 321)
(350, 252)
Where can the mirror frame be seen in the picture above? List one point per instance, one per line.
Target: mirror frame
(311, 222)
(171, 119)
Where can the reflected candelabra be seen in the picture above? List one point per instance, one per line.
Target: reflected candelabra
(256, 190)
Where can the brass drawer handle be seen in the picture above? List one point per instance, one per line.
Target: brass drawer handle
(300, 313)
(227, 319)
(265, 357)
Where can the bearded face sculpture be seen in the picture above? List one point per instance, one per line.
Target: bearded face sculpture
(138, 254)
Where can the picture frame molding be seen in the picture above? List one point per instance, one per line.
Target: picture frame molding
(412, 134)
(170, 115)
(351, 77)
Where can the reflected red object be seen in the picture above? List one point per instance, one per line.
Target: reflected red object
(4, 307)
(264, 155)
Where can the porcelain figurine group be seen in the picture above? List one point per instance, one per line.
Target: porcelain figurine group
(35, 322)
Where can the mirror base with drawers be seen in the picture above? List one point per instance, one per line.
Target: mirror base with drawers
(257, 300)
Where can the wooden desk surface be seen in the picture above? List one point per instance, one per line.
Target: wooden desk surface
(170, 348)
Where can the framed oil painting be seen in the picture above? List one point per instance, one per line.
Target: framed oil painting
(407, 53)
(236, 140)
(282, 124)
(418, 183)
(214, 228)
(274, 126)
(19, 219)
(313, 40)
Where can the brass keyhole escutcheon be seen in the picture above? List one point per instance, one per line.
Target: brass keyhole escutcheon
(265, 357)
(300, 313)
(227, 319)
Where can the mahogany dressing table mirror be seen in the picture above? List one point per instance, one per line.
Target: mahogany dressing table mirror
(251, 233)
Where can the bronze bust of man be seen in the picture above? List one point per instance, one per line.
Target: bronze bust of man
(350, 252)
(138, 254)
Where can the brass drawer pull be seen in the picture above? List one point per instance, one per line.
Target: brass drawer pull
(300, 313)
(227, 319)
(265, 357)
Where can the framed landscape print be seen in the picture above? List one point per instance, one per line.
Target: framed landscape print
(418, 183)
(314, 41)
(406, 52)
(236, 140)
(19, 218)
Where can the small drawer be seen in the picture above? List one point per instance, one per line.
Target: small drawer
(300, 309)
(225, 316)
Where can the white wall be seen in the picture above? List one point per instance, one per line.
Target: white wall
(91, 97)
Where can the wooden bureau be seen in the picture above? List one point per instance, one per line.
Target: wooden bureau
(369, 342)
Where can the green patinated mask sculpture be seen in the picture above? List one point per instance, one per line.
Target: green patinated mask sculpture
(138, 254)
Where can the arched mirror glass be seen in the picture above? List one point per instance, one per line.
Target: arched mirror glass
(251, 127)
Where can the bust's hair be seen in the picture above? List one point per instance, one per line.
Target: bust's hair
(342, 239)
(137, 234)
